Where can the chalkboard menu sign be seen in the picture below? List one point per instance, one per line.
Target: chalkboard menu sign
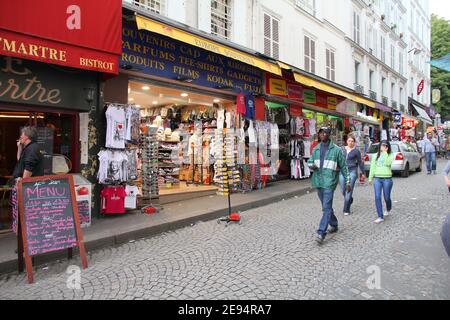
(49, 216)
(45, 142)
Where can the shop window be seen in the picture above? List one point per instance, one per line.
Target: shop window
(271, 36)
(310, 54)
(221, 18)
(331, 70)
(156, 6)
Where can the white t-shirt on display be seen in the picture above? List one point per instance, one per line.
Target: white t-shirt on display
(115, 128)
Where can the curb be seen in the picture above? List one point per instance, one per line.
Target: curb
(119, 239)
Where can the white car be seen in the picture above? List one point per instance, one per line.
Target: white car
(406, 158)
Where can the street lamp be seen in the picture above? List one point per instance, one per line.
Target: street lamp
(89, 96)
(416, 51)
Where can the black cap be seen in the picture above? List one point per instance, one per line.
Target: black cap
(325, 129)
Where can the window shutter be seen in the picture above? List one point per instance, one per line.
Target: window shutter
(267, 35)
(313, 56)
(275, 38)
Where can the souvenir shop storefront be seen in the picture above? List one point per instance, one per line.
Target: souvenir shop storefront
(188, 119)
(308, 109)
(367, 126)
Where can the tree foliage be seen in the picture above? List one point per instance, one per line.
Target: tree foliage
(440, 79)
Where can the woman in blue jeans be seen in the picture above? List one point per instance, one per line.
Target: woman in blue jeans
(354, 160)
(381, 175)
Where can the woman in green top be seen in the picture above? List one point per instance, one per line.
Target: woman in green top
(381, 174)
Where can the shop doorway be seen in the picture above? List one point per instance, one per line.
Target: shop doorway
(177, 112)
(58, 136)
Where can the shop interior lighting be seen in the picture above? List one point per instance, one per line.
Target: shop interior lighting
(129, 90)
(146, 88)
(216, 100)
(131, 99)
(184, 95)
(17, 116)
(155, 102)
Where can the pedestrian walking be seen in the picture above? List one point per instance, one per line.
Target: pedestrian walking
(430, 144)
(354, 161)
(446, 173)
(326, 162)
(447, 148)
(381, 175)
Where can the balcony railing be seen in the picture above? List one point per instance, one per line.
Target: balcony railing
(394, 104)
(359, 88)
(384, 100)
(372, 95)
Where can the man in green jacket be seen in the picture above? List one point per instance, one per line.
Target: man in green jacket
(327, 161)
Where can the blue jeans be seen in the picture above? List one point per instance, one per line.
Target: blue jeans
(431, 161)
(328, 218)
(385, 186)
(348, 196)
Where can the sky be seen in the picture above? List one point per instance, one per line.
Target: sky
(440, 8)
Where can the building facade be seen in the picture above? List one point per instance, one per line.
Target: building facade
(379, 48)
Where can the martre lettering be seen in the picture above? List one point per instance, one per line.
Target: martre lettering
(33, 88)
(33, 50)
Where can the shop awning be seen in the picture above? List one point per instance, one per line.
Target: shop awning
(200, 42)
(328, 88)
(79, 34)
(422, 115)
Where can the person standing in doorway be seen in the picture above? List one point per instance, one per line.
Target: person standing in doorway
(429, 150)
(326, 162)
(354, 161)
(381, 175)
(29, 156)
(29, 164)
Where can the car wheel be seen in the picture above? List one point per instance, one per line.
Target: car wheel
(419, 169)
(405, 172)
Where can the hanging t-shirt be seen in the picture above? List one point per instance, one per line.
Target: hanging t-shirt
(260, 109)
(130, 199)
(251, 133)
(250, 107)
(113, 166)
(274, 136)
(240, 103)
(307, 133)
(312, 127)
(113, 200)
(133, 118)
(115, 127)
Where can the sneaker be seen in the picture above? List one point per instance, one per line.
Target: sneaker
(319, 239)
(332, 229)
(429, 172)
(346, 213)
(379, 220)
(386, 213)
(434, 172)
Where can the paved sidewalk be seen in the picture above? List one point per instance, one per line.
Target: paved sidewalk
(115, 230)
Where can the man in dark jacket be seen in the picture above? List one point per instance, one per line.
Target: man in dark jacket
(29, 155)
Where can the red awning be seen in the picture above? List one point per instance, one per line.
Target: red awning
(81, 34)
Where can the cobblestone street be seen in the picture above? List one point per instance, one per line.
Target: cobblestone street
(273, 255)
